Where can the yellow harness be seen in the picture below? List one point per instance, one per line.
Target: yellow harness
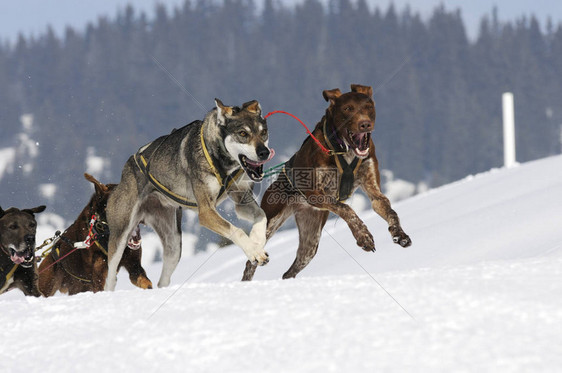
(225, 183)
(9, 275)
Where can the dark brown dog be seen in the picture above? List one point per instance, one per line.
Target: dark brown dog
(86, 269)
(18, 268)
(314, 183)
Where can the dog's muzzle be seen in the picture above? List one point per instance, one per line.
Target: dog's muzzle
(134, 242)
(254, 169)
(359, 142)
(24, 258)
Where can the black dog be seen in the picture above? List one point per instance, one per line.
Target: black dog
(18, 268)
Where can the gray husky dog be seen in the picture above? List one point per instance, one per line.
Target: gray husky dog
(196, 166)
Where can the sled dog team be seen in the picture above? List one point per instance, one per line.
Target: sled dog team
(198, 166)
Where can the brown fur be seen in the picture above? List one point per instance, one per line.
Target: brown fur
(87, 264)
(17, 231)
(353, 111)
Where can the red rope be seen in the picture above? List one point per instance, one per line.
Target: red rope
(327, 151)
(58, 260)
(88, 243)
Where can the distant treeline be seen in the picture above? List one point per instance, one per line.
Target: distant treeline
(125, 81)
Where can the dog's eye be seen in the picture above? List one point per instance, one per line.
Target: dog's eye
(32, 225)
(264, 133)
(348, 108)
(243, 134)
(13, 226)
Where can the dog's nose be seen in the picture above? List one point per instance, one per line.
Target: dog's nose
(262, 152)
(29, 239)
(366, 125)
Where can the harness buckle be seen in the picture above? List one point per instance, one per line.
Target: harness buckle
(83, 244)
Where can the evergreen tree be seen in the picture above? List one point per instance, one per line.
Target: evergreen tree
(125, 81)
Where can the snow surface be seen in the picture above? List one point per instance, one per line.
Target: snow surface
(480, 290)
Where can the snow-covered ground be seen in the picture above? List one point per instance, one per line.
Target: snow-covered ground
(480, 290)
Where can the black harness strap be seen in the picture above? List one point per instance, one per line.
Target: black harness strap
(347, 176)
(347, 171)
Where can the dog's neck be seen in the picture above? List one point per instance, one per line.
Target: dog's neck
(214, 135)
(332, 136)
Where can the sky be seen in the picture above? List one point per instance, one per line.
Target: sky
(31, 17)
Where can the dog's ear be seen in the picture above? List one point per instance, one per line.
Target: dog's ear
(366, 90)
(252, 107)
(35, 210)
(331, 95)
(222, 111)
(100, 187)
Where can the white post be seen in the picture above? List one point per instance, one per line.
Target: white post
(560, 138)
(508, 130)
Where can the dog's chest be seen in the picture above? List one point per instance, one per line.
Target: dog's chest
(212, 185)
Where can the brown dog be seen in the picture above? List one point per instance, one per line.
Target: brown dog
(18, 268)
(86, 269)
(314, 183)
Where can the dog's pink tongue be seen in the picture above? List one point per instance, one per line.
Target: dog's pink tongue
(17, 259)
(271, 154)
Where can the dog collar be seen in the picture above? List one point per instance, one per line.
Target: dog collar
(339, 140)
(227, 181)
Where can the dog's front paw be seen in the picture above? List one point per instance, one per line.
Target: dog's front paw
(143, 282)
(399, 237)
(365, 241)
(259, 259)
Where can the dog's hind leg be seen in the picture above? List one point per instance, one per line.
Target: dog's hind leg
(167, 224)
(277, 211)
(310, 223)
(121, 217)
(249, 271)
(137, 275)
(99, 272)
(116, 247)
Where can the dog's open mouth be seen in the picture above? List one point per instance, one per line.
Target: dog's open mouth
(254, 169)
(359, 143)
(134, 242)
(23, 258)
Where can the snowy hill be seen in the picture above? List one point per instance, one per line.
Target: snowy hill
(480, 290)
